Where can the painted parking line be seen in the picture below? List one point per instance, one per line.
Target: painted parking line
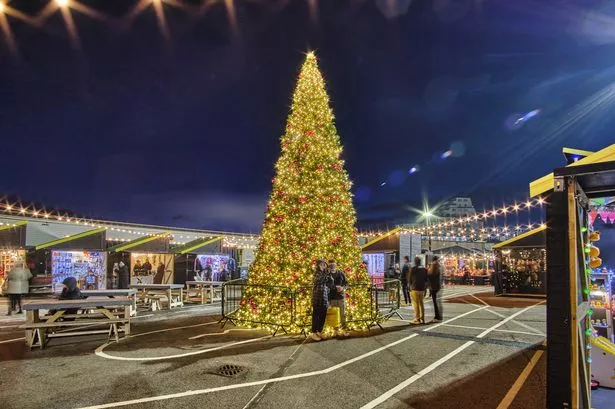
(8, 341)
(388, 394)
(398, 388)
(455, 318)
(253, 383)
(516, 387)
(512, 317)
(537, 332)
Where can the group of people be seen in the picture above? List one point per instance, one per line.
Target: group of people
(329, 289)
(330, 283)
(17, 284)
(416, 280)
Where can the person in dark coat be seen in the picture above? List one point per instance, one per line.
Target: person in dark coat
(321, 287)
(418, 284)
(123, 276)
(337, 295)
(434, 274)
(70, 291)
(405, 273)
(159, 273)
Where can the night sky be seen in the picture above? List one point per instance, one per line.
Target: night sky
(185, 131)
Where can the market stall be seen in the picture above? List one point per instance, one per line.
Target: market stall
(576, 277)
(12, 243)
(148, 259)
(521, 264)
(464, 265)
(81, 256)
(202, 260)
(383, 252)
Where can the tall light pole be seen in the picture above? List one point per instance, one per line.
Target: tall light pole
(428, 215)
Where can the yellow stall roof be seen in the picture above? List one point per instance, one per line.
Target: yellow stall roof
(545, 183)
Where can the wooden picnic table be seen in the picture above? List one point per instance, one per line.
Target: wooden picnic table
(174, 292)
(97, 311)
(200, 287)
(112, 293)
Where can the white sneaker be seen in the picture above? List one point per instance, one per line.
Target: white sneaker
(315, 337)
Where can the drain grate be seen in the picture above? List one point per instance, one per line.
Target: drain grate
(229, 370)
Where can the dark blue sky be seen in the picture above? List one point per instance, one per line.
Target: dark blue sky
(187, 133)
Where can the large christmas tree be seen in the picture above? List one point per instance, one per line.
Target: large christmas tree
(310, 216)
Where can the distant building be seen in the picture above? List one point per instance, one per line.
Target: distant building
(456, 207)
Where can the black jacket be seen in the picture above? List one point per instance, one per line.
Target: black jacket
(322, 285)
(339, 278)
(405, 273)
(418, 278)
(435, 276)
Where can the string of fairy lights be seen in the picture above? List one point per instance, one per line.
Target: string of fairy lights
(66, 8)
(459, 229)
(468, 227)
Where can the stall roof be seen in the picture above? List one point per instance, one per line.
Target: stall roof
(13, 235)
(387, 235)
(196, 245)
(456, 250)
(138, 242)
(545, 183)
(72, 238)
(573, 155)
(6, 226)
(532, 238)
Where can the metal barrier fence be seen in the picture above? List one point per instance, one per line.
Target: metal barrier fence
(282, 311)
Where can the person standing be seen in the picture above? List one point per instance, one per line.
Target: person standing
(435, 287)
(321, 287)
(405, 276)
(18, 284)
(418, 283)
(337, 295)
(123, 276)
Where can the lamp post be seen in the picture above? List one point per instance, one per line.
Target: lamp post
(428, 215)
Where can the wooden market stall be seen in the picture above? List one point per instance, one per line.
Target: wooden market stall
(521, 264)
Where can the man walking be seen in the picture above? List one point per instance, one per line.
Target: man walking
(435, 284)
(418, 283)
(337, 295)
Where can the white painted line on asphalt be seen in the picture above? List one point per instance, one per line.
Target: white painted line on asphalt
(254, 383)
(100, 353)
(512, 317)
(388, 394)
(455, 318)
(142, 316)
(8, 341)
(497, 330)
(516, 387)
(534, 330)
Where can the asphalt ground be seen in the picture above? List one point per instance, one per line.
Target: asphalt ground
(470, 361)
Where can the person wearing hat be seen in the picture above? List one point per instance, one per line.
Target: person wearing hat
(434, 274)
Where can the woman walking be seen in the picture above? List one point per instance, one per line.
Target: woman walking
(18, 283)
(322, 285)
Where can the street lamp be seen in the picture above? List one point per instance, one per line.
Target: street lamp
(428, 215)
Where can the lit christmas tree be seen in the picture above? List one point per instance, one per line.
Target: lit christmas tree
(310, 216)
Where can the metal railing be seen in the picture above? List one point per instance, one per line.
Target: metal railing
(282, 311)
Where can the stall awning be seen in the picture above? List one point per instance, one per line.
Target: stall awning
(88, 240)
(532, 238)
(157, 243)
(545, 183)
(388, 241)
(13, 235)
(208, 245)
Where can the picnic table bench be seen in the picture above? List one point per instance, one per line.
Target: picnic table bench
(200, 287)
(114, 313)
(128, 292)
(150, 292)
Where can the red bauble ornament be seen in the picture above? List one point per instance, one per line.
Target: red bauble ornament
(310, 133)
